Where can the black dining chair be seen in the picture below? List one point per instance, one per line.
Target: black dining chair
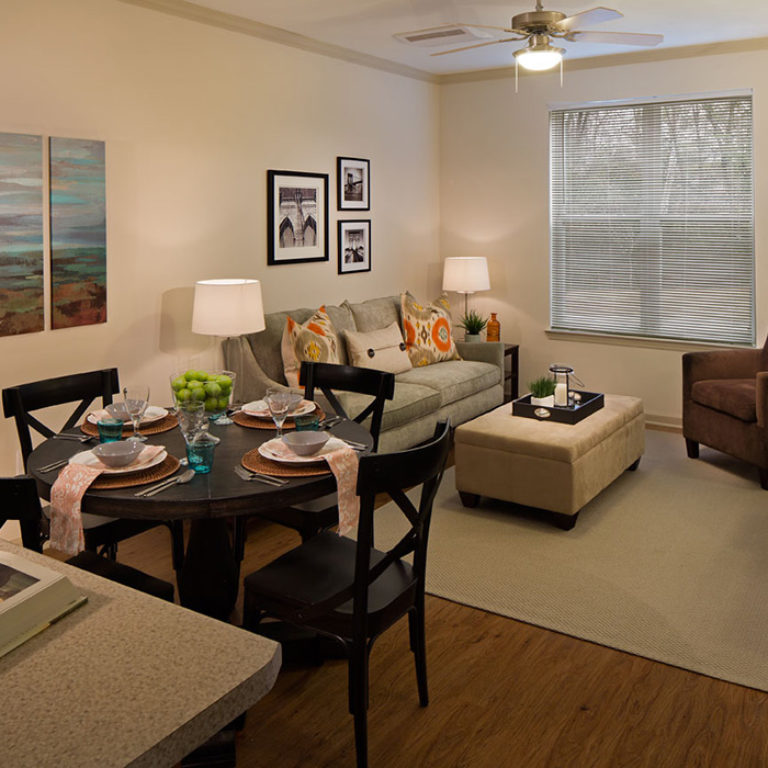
(308, 518)
(102, 534)
(350, 591)
(20, 501)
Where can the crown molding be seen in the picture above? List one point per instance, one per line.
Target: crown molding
(617, 60)
(192, 12)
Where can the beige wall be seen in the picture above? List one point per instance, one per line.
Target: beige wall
(193, 116)
(494, 203)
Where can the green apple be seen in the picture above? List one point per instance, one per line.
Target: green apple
(178, 383)
(223, 402)
(211, 403)
(212, 389)
(183, 395)
(197, 394)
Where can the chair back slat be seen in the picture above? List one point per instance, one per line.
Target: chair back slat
(328, 377)
(391, 473)
(80, 388)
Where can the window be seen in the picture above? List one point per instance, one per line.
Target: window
(652, 220)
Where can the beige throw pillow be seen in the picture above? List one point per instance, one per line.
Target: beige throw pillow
(383, 350)
(314, 341)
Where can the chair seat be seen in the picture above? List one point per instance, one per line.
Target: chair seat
(736, 397)
(319, 569)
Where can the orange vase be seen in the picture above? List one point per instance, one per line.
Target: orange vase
(493, 329)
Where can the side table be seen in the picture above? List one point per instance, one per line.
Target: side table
(511, 373)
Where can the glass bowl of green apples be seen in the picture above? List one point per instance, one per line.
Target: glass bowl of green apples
(213, 388)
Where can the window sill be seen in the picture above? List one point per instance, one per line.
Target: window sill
(639, 341)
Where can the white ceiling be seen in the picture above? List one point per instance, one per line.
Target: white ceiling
(368, 26)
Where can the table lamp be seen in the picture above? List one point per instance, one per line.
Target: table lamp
(466, 274)
(226, 308)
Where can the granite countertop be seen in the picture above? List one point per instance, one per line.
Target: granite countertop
(125, 680)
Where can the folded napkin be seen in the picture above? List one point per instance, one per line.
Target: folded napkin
(66, 497)
(343, 464)
(101, 413)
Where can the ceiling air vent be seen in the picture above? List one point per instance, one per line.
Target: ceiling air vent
(448, 34)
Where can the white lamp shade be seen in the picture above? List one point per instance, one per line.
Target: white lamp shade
(466, 274)
(227, 307)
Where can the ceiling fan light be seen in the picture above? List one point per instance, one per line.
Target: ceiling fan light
(539, 58)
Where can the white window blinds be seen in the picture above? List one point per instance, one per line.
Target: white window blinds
(652, 220)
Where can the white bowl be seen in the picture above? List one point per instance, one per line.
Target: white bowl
(305, 443)
(118, 454)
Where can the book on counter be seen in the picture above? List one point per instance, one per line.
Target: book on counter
(32, 597)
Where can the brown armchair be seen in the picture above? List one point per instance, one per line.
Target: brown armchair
(725, 404)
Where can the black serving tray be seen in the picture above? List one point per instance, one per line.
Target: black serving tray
(564, 414)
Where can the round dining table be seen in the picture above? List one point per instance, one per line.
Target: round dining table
(209, 577)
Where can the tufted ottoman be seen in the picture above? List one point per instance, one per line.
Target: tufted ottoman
(555, 467)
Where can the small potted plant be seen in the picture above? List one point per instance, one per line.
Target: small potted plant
(472, 324)
(542, 391)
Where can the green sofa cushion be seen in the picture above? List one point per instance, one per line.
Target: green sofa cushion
(452, 379)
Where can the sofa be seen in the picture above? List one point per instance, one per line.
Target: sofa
(458, 389)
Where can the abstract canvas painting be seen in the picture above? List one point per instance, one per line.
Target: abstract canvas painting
(21, 234)
(78, 233)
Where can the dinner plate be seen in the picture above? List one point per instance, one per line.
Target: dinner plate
(258, 408)
(277, 450)
(89, 460)
(153, 413)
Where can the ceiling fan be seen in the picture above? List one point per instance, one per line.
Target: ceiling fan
(538, 27)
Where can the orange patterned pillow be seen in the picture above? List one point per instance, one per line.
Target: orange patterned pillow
(314, 341)
(427, 330)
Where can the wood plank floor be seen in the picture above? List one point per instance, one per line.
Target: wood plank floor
(502, 694)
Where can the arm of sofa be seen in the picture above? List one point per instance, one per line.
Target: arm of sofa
(483, 352)
(251, 382)
(761, 398)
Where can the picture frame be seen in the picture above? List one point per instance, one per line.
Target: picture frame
(353, 183)
(297, 217)
(354, 245)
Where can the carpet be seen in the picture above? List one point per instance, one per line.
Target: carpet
(670, 562)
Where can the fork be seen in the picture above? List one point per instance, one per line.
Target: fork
(245, 474)
(53, 465)
(70, 436)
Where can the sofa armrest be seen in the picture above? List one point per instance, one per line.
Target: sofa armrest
(483, 352)
(251, 382)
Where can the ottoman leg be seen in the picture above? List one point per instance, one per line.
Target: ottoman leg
(634, 465)
(562, 521)
(469, 499)
(692, 447)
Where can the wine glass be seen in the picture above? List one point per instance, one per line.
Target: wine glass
(192, 419)
(136, 400)
(280, 403)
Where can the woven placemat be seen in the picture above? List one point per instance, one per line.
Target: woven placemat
(159, 472)
(254, 461)
(254, 422)
(161, 425)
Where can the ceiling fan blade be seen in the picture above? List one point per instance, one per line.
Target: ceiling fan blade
(592, 16)
(618, 38)
(478, 45)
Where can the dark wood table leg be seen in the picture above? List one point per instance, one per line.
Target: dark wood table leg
(208, 579)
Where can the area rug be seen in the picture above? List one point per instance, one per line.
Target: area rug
(670, 562)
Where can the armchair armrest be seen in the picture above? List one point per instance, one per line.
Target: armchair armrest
(483, 352)
(719, 364)
(761, 398)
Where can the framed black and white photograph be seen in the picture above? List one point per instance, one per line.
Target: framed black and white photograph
(353, 177)
(354, 246)
(297, 217)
